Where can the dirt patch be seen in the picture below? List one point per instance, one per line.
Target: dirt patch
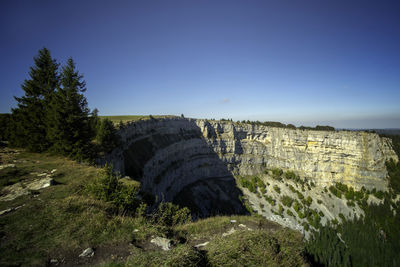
(116, 252)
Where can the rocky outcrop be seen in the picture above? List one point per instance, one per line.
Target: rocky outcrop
(181, 159)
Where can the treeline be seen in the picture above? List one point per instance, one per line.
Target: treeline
(282, 125)
(369, 240)
(53, 114)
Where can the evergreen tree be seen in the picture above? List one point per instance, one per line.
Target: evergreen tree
(69, 124)
(29, 118)
(106, 136)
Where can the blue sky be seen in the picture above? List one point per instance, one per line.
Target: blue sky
(302, 62)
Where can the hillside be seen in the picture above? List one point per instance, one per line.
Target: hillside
(53, 225)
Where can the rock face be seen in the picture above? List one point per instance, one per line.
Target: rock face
(191, 160)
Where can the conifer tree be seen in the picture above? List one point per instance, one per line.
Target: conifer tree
(29, 118)
(106, 135)
(69, 123)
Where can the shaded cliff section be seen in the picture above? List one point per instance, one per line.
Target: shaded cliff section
(173, 162)
(192, 162)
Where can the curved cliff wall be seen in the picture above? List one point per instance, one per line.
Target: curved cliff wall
(175, 157)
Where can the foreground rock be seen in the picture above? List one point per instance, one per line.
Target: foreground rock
(11, 192)
(162, 242)
(87, 253)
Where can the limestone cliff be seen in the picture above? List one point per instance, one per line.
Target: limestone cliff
(201, 156)
(326, 157)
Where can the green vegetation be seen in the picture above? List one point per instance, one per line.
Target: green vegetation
(53, 113)
(289, 126)
(257, 248)
(277, 189)
(287, 201)
(276, 173)
(92, 207)
(371, 240)
(290, 175)
(120, 192)
(290, 213)
(270, 200)
(124, 119)
(252, 183)
(335, 191)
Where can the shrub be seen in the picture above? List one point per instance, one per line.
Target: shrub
(270, 200)
(290, 175)
(300, 195)
(111, 188)
(281, 209)
(292, 188)
(308, 201)
(289, 212)
(342, 187)
(335, 191)
(277, 189)
(169, 214)
(297, 206)
(287, 201)
(379, 194)
(276, 173)
(248, 184)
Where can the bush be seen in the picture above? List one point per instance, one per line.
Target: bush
(289, 212)
(308, 201)
(169, 214)
(290, 175)
(281, 209)
(111, 188)
(297, 206)
(270, 200)
(379, 194)
(248, 184)
(276, 173)
(335, 191)
(277, 189)
(300, 195)
(287, 201)
(292, 188)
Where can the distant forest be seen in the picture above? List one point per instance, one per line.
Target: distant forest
(282, 125)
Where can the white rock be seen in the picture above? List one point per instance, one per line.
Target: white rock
(233, 221)
(7, 166)
(202, 244)
(89, 252)
(53, 171)
(162, 242)
(231, 231)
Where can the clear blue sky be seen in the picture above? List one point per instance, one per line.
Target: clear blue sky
(302, 62)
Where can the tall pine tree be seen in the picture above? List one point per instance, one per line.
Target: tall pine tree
(70, 131)
(29, 118)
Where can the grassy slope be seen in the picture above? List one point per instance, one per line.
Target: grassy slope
(63, 220)
(126, 118)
